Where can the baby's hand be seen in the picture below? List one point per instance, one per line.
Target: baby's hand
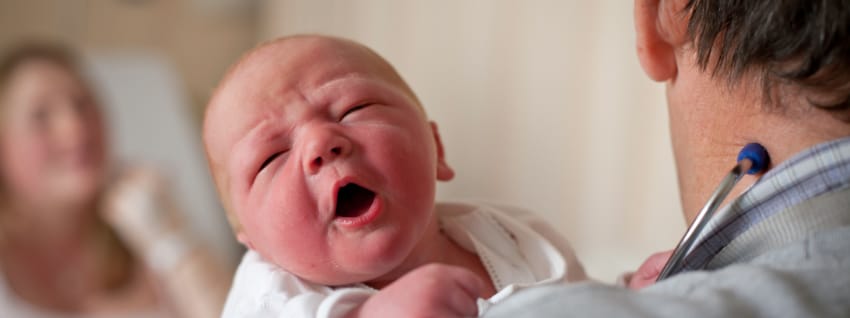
(433, 290)
(648, 272)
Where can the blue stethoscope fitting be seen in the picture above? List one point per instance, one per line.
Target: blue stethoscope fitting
(752, 159)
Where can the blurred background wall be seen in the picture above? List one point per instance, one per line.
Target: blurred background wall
(541, 103)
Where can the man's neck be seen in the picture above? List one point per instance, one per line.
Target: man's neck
(783, 133)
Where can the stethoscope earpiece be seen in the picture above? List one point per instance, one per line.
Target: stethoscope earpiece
(757, 155)
(752, 159)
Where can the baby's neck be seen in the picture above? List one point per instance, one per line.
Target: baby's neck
(437, 247)
(458, 256)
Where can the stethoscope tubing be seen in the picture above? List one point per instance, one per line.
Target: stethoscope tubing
(752, 159)
(707, 213)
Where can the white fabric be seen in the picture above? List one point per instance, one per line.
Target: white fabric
(517, 249)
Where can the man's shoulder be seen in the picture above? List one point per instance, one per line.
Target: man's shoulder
(815, 264)
(807, 278)
(829, 248)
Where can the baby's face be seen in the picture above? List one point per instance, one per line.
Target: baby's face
(326, 158)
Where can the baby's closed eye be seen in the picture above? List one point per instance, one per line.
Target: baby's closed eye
(356, 108)
(270, 159)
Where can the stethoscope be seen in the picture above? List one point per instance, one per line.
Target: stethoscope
(752, 159)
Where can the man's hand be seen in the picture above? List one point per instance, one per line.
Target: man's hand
(648, 272)
(433, 290)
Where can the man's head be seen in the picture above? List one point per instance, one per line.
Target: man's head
(770, 71)
(794, 47)
(324, 157)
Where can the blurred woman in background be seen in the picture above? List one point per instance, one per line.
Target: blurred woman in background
(73, 243)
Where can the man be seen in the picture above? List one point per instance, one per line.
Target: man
(776, 72)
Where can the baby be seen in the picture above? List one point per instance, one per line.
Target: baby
(327, 165)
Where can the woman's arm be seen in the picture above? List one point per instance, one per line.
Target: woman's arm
(192, 278)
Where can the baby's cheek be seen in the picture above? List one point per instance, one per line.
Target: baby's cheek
(411, 152)
(295, 247)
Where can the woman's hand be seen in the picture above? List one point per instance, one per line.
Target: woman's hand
(139, 208)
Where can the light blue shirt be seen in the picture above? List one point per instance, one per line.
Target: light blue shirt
(781, 250)
(816, 171)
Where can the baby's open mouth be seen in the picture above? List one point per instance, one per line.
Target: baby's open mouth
(353, 200)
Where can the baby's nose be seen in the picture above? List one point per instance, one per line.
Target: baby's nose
(324, 147)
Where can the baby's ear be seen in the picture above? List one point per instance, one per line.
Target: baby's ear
(444, 171)
(242, 238)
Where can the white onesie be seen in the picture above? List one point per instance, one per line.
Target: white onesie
(517, 249)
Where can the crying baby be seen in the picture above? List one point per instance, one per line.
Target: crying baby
(327, 164)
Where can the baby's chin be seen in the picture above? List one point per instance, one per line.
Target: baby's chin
(381, 256)
(345, 278)
(365, 271)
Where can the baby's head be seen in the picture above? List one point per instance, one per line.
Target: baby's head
(323, 158)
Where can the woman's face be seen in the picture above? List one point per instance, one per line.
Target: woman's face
(52, 148)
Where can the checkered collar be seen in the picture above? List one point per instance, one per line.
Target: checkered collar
(819, 170)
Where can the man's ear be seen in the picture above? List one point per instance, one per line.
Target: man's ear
(242, 238)
(444, 171)
(660, 29)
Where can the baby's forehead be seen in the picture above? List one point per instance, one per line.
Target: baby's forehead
(305, 58)
(267, 87)
(265, 78)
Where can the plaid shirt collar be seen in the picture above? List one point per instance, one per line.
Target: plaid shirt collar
(816, 171)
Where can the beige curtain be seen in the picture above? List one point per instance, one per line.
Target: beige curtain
(541, 104)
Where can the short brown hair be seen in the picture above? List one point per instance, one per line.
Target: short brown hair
(799, 44)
